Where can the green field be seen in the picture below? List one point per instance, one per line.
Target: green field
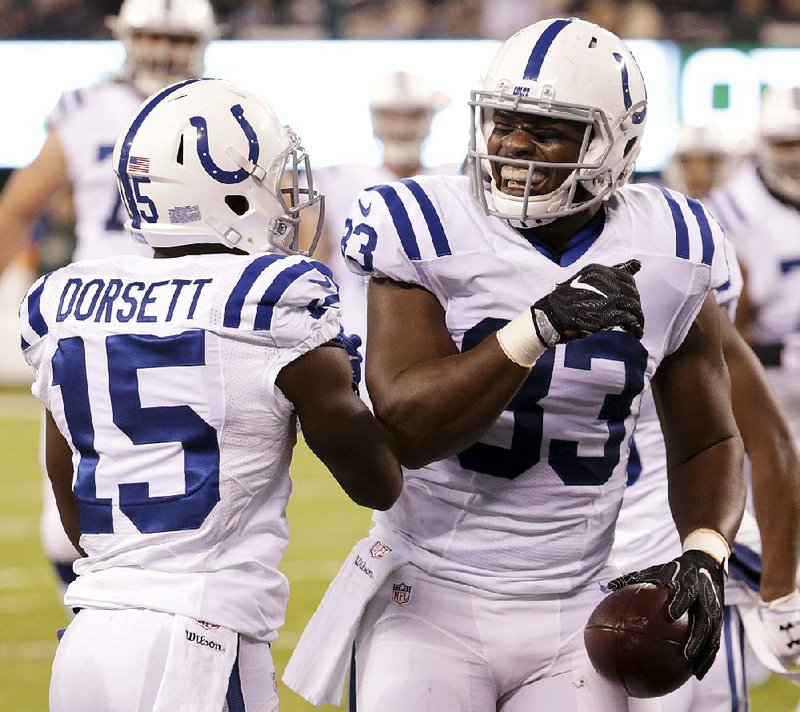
(324, 524)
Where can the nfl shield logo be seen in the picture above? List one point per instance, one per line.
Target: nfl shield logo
(401, 593)
(379, 550)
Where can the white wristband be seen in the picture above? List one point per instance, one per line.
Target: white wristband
(519, 340)
(711, 542)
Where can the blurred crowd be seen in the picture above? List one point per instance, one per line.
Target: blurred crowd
(771, 22)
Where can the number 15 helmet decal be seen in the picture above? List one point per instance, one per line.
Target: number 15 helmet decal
(203, 161)
(566, 69)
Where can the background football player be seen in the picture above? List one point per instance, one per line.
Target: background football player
(163, 42)
(512, 403)
(703, 158)
(402, 107)
(759, 208)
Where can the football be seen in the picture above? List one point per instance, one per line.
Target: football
(632, 641)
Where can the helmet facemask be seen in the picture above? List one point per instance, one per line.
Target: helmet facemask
(591, 177)
(294, 189)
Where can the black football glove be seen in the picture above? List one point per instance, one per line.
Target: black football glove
(697, 583)
(596, 298)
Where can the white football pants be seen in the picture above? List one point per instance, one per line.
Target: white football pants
(132, 660)
(429, 644)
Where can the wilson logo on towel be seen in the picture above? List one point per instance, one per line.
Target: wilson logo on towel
(193, 637)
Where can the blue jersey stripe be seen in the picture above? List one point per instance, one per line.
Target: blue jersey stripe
(124, 154)
(352, 704)
(681, 231)
(541, 47)
(24, 344)
(402, 222)
(35, 318)
(275, 291)
(634, 469)
(440, 243)
(235, 695)
(705, 230)
(728, 643)
(745, 565)
(233, 307)
(322, 267)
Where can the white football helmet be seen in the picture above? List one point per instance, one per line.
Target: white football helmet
(703, 158)
(402, 107)
(203, 161)
(779, 142)
(566, 69)
(165, 41)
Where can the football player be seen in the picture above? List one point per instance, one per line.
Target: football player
(402, 107)
(173, 387)
(645, 531)
(512, 402)
(759, 208)
(763, 563)
(703, 158)
(164, 42)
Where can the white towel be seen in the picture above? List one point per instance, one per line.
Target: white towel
(318, 666)
(198, 667)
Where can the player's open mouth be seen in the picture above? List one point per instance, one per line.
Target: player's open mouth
(513, 180)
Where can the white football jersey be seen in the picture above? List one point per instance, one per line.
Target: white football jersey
(530, 509)
(764, 231)
(340, 185)
(87, 122)
(646, 532)
(161, 376)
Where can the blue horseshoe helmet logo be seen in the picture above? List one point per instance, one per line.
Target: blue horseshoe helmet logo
(217, 173)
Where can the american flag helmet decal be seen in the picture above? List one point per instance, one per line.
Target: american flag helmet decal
(138, 164)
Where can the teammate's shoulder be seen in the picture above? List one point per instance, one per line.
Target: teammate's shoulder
(91, 98)
(413, 213)
(34, 321)
(667, 222)
(262, 284)
(419, 187)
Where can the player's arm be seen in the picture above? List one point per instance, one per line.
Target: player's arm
(775, 470)
(339, 428)
(437, 401)
(706, 482)
(58, 461)
(704, 450)
(26, 194)
(745, 310)
(434, 400)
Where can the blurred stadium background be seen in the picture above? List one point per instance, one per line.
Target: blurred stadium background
(705, 61)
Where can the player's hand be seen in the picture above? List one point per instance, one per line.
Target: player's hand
(697, 582)
(781, 619)
(596, 298)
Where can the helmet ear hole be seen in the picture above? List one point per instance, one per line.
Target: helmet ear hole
(238, 203)
(179, 156)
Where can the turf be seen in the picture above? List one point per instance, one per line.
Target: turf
(323, 522)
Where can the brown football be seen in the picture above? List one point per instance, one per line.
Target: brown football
(632, 641)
